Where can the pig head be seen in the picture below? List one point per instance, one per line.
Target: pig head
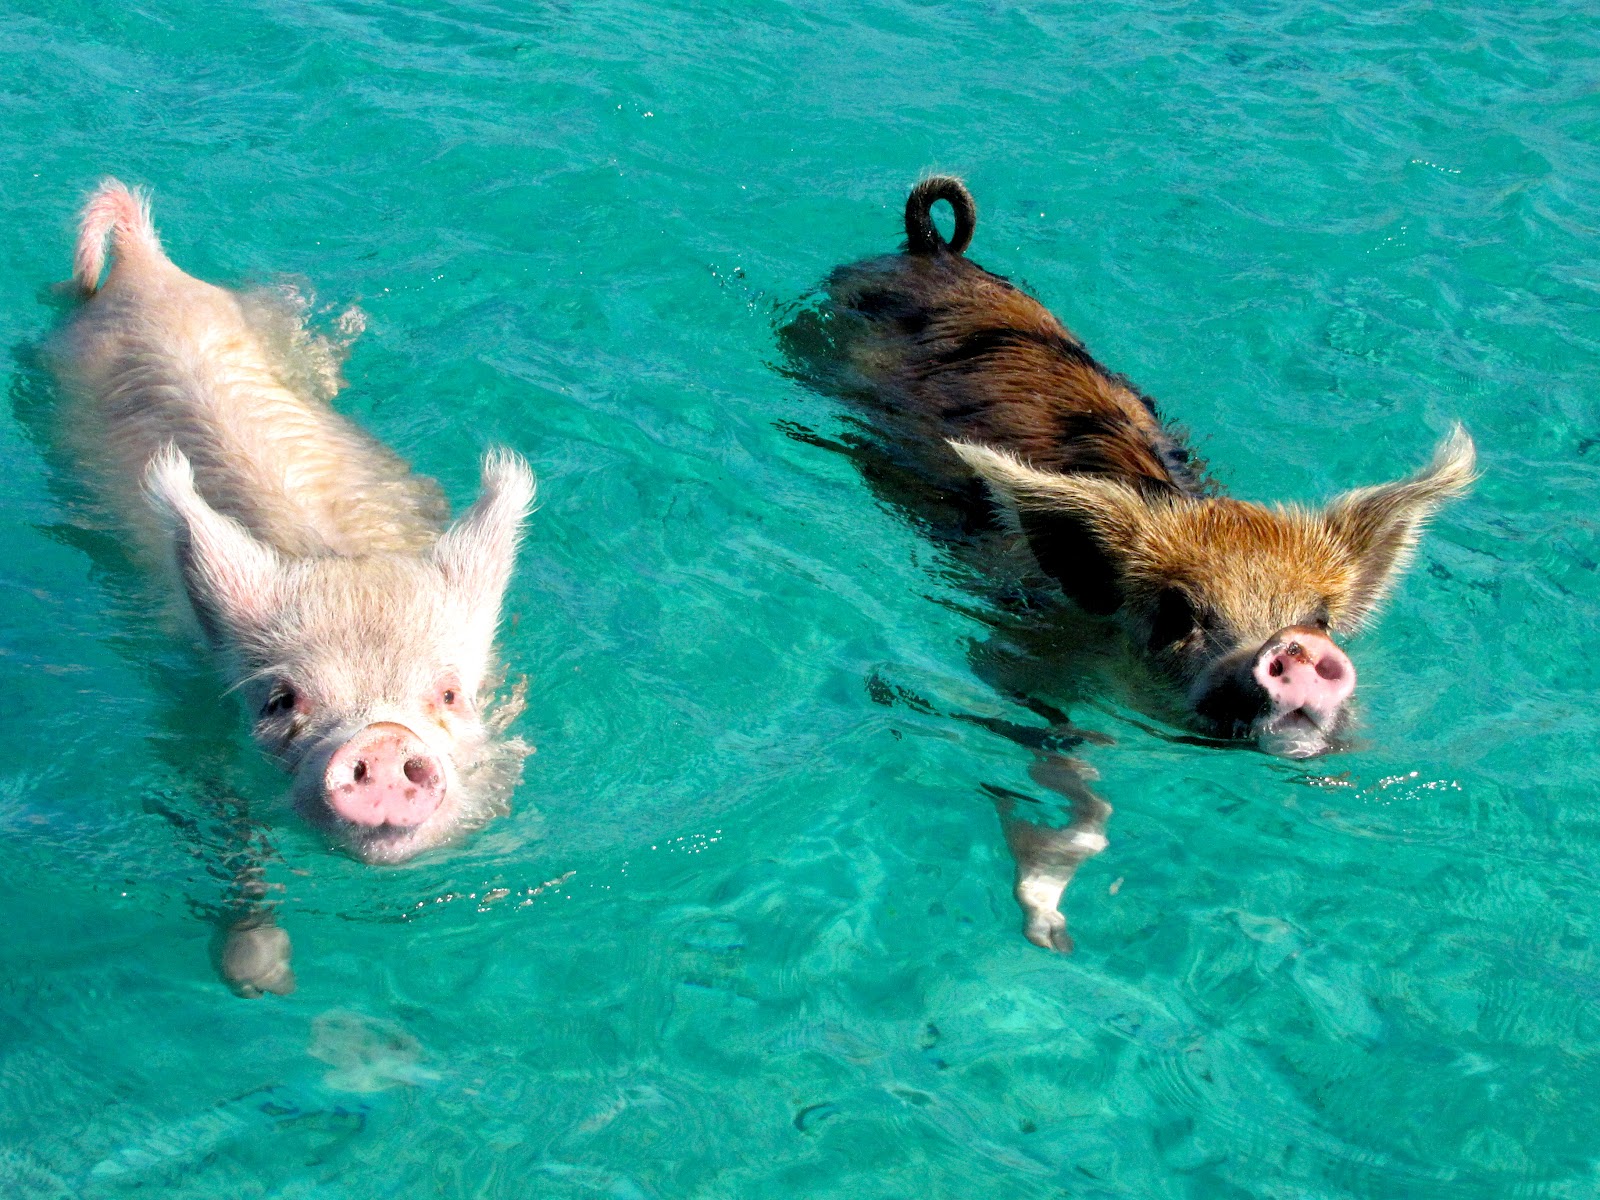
(363, 675)
(1237, 603)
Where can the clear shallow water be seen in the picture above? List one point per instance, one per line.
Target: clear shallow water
(749, 932)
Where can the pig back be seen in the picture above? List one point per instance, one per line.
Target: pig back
(158, 356)
(946, 350)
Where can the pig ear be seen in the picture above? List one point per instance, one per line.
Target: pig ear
(1381, 525)
(477, 553)
(227, 572)
(1079, 527)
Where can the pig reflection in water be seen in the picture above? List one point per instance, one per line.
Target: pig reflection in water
(356, 627)
(1234, 610)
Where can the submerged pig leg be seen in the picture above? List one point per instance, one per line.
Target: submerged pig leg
(1048, 856)
(254, 959)
(253, 951)
(249, 950)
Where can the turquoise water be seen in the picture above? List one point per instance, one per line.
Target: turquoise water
(749, 931)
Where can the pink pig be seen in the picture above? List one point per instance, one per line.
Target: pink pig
(357, 628)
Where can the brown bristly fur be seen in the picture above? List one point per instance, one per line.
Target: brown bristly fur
(1262, 568)
(965, 355)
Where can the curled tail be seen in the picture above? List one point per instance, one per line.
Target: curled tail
(921, 236)
(122, 215)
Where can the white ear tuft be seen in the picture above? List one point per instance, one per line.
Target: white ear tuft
(508, 478)
(1004, 471)
(1112, 510)
(1381, 525)
(1455, 463)
(169, 479)
(478, 552)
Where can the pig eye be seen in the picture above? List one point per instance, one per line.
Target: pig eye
(450, 695)
(1174, 619)
(279, 701)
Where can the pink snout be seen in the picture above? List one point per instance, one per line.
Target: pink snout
(384, 775)
(1303, 671)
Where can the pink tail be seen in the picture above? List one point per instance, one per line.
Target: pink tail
(124, 216)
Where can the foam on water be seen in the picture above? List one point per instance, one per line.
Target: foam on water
(748, 929)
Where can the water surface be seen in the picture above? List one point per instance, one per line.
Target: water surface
(749, 931)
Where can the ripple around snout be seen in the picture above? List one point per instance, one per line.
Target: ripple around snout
(746, 925)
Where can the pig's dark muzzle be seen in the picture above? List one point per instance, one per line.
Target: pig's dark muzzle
(384, 776)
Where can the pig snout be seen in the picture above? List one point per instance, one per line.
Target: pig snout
(384, 775)
(1305, 680)
(1301, 670)
(1289, 695)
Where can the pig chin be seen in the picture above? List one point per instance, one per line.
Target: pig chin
(381, 845)
(389, 848)
(1298, 734)
(1283, 733)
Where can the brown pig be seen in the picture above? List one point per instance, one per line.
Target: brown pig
(1237, 603)
(356, 627)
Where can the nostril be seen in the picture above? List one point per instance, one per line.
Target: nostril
(384, 775)
(1328, 667)
(1276, 669)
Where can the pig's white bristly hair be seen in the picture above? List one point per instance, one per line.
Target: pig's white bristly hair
(478, 552)
(169, 478)
(301, 540)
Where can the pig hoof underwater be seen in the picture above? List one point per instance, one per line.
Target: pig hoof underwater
(1237, 604)
(255, 960)
(357, 626)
